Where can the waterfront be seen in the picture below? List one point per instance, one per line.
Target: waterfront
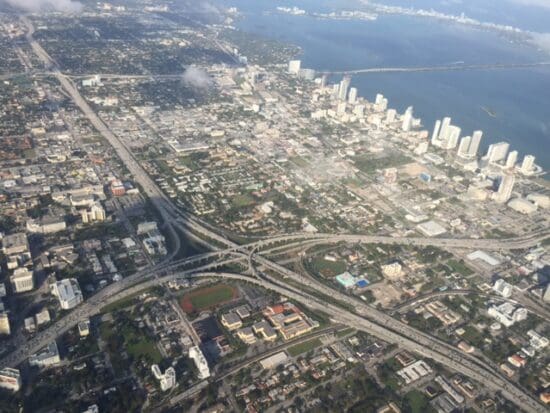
(517, 99)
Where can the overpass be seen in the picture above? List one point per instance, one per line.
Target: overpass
(373, 322)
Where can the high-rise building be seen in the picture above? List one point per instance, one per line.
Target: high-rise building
(352, 98)
(453, 137)
(167, 379)
(528, 164)
(464, 146)
(407, 119)
(505, 188)
(474, 144)
(512, 159)
(343, 88)
(196, 355)
(95, 213)
(497, 152)
(294, 66)
(378, 99)
(390, 116)
(435, 135)
(335, 91)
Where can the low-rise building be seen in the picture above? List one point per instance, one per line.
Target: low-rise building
(231, 321)
(22, 280)
(48, 224)
(10, 379)
(4, 324)
(15, 244)
(246, 334)
(67, 292)
(507, 314)
(48, 356)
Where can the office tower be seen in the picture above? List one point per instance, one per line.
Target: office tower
(352, 98)
(528, 164)
(512, 159)
(505, 188)
(464, 146)
(407, 119)
(343, 88)
(390, 116)
(435, 135)
(294, 66)
(497, 152)
(474, 144)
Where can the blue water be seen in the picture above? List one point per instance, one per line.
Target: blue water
(520, 97)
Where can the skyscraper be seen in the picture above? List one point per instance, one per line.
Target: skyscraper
(512, 159)
(505, 188)
(497, 152)
(474, 144)
(453, 135)
(435, 135)
(343, 89)
(464, 146)
(294, 66)
(407, 119)
(352, 98)
(528, 164)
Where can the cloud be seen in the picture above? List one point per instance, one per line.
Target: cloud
(196, 78)
(541, 40)
(34, 6)
(538, 3)
(203, 10)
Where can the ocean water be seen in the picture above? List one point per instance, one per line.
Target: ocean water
(520, 98)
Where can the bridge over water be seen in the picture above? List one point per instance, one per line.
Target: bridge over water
(444, 68)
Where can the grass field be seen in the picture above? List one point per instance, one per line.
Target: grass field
(304, 347)
(368, 164)
(327, 269)
(207, 297)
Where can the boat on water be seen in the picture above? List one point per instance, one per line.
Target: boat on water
(489, 111)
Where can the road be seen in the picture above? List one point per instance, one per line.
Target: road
(373, 322)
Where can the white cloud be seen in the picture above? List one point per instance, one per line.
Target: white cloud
(34, 6)
(537, 3)
(541, 40)
(196, 78)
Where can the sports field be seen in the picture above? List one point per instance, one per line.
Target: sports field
(207, 297)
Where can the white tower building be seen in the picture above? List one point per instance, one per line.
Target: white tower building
(528, 164)
(497, 152)
(407, 119)
(512, 159)
(463, 148)
(505, 188)
(294, 66)
(352, 98)
(343, 89)
(474, 144)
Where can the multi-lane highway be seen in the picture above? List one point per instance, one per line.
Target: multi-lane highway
(225, 251)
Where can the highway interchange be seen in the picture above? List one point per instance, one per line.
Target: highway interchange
(261, 270)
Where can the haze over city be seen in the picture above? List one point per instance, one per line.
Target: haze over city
(259, 206)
